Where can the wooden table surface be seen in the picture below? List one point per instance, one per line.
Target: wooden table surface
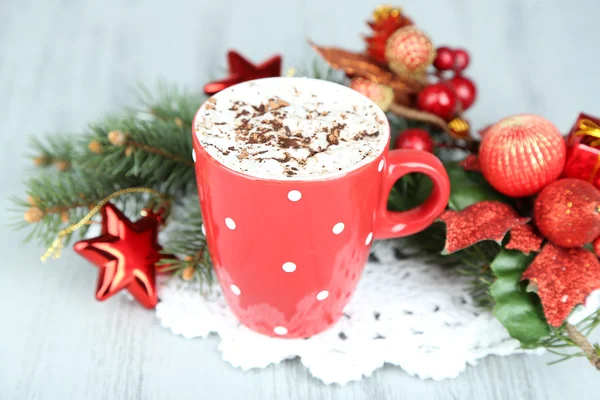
(65, 63)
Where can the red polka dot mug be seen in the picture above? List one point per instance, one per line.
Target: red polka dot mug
(288, 252)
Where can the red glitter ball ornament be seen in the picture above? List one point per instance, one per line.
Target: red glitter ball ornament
(409, 51)
(444, 59)
(438, 99)
(415, 139)
(465, 91)
(567, 212)
(520, 155)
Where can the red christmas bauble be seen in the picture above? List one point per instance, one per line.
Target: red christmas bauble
(520, 155)
(444, 59)
(415, 139)
(461, 60)
(381, 95)
(438, 99)
(409, 51)
(465, 91)
(567, 212)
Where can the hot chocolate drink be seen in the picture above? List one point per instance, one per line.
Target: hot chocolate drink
(291, 128)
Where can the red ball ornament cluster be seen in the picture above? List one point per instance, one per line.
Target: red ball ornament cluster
(408, 52)
(448, 59)
(449, 97)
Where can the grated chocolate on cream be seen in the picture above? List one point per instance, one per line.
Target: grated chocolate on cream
(291, 128)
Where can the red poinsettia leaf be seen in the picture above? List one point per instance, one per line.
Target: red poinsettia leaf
(358, 64)
(524, 239)
(471, 163)
(564, 278)
(486, 220)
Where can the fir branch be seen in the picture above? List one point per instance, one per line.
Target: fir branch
(57, 200)
(185, 239)
(133, 149)
(157, 152)
(569, 336)
(58, 151)
(170, 103)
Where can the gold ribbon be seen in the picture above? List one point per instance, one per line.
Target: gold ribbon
(56, 247)
(587, 127)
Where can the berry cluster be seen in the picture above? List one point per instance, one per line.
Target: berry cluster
(448, 97)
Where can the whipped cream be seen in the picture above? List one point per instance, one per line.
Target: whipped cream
(291, 128)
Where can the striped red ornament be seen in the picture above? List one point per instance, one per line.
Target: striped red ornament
(521, 155)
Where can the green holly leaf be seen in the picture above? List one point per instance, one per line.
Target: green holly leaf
(468, 188)
(519, 311)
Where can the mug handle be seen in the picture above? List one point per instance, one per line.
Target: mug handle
(390, 224)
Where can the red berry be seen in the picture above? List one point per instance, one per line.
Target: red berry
(415, 139)
(438, 99)
(461, 60)
(465, 91)
(444, 59)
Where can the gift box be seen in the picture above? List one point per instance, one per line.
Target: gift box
(583, 151)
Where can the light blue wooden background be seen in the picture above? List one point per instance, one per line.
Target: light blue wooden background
(64, 63)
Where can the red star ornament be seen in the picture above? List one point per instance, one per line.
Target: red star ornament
(563, 278)
(524, 239)
(486, 220)
(242, 70)
(126, 253)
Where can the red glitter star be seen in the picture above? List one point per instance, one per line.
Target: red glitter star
(486, 220)
(242, 70)
(126, 253)
(524, 239)
(563, 278)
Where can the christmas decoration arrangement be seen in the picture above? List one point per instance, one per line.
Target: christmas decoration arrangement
(521, 230)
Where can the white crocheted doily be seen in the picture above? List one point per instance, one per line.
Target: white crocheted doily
(404, 312)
